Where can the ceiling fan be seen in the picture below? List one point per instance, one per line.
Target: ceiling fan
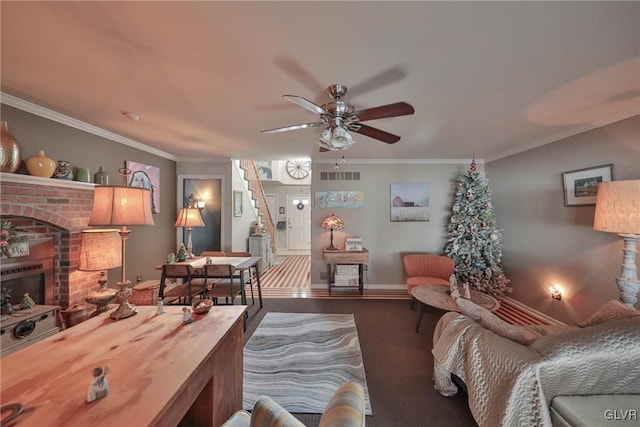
(340, 117)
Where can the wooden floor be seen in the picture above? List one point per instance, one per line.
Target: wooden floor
(290, 277)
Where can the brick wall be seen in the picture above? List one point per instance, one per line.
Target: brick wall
(57, 209)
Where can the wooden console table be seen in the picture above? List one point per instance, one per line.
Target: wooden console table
(332, 258)
(163, 372)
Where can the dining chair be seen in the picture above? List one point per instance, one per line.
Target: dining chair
(248, 280)
(221, 282)
(182, 292)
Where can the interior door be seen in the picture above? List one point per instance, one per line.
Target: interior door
(207, 238)
(299, 222)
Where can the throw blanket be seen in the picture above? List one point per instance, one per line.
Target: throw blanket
(511, 384)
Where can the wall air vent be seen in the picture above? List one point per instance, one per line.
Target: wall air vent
(339, 176)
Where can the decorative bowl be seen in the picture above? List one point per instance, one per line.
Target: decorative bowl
(202, 306)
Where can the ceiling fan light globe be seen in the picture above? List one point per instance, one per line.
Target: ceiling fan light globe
(326, 136)
(341, 138)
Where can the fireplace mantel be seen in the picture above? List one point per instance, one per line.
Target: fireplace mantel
(51, 182)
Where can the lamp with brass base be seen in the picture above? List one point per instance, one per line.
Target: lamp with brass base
(121, 206)
(99, 251)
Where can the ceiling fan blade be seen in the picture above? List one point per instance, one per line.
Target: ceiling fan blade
(389, 76)
(322, 149)
(389, 110)
(304, 103)
(294, 127)
(374, 133)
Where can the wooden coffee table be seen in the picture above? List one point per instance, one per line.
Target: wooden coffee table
(438, 296)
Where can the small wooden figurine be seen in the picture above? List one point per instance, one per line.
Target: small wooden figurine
(99, 386)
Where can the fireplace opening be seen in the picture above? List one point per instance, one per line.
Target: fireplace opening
(32, 273)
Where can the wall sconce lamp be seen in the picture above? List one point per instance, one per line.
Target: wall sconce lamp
(618, 211)
(556, 292)
(192, 202)
(332, 222)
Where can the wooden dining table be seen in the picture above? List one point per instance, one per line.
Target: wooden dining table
(242, 264)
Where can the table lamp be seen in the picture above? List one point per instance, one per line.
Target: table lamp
(100, 250)
(122, 206)
(189, 218)
(332, 222)
(618, 211)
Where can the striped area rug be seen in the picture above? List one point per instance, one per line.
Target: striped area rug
(294, 272)
(301, 359)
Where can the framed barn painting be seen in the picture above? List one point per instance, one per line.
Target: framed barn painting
(145, 176)
(581, 186)
(409, 202)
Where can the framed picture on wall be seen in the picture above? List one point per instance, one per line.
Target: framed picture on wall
(237, 203)
(145, 176)
(409, 202)
(581, 186)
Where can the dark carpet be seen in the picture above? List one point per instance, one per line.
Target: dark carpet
(398, 362)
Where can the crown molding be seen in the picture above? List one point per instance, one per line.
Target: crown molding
(46, 113)
(402, 161)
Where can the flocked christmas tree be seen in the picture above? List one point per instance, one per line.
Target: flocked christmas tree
(473, 241)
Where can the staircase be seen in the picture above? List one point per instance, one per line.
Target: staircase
(256, 192)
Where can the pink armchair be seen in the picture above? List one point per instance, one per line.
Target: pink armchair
(427, 269)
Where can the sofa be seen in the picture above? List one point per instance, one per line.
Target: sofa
(539, 375)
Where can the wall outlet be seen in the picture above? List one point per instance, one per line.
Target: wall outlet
(365, 267)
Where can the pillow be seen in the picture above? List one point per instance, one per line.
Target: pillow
(612, 310)
(519, 334)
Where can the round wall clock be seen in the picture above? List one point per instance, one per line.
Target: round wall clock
(298, 169)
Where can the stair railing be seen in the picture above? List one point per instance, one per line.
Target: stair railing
(252, 176)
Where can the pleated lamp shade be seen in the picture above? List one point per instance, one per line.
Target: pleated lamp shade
(114, 205)
(189, 217)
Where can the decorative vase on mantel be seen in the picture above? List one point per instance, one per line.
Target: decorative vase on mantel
(10, 158)
(63, 170)
(41, 165)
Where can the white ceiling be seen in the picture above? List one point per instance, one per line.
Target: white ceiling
(490, 79)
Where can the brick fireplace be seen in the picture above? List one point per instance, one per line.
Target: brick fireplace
(58, 210)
